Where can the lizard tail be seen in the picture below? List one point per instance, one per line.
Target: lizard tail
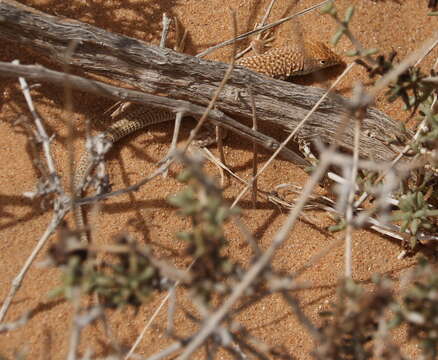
(136, 119)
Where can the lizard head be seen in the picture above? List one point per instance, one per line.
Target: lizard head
(319, 56)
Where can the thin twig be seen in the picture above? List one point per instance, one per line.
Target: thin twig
(60, 207)
(151, 320)
(350, 203)
(75, 329)
(254, 149)
(260, 29)
(5, 327)
(166, 22)
(16, 283)
(45, 139)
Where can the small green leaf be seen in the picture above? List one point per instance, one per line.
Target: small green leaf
(398, 215)
(420, 199)
(327, 8)
(404, 226)
(419, 214)
(337, 227)
(368, 52)
(337, 36)
(433, 212)
(184, 235)
(414, 226)
(349, 14)
(412, 242)
(57, 292)
(353, 52)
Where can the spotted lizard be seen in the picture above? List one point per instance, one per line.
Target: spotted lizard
(278, 63)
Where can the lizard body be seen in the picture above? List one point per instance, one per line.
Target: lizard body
(279, 63)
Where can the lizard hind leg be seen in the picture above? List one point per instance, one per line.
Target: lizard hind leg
(208, 135)
(263, 42)
(260, 46)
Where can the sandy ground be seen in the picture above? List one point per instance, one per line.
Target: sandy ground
(388, 25)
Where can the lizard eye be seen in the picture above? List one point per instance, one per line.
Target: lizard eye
(322, 62)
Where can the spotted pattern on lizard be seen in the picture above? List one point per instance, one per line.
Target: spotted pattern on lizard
(299, 59)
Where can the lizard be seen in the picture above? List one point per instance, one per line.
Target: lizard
(279, 63)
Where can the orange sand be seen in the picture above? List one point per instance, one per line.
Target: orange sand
(388, 25)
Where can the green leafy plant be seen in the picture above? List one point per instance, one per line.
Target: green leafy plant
(202, 201)
(352, 322)
(128, 277)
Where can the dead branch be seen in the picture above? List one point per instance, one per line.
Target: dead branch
(39, 73)
(183, 77)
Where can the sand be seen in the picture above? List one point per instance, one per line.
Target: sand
(388, 25)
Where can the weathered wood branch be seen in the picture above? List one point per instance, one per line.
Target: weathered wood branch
(39, 73)
(183, 77)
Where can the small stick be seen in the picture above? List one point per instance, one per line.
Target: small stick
(254, 149)
(60, 208)
(176, 129)
(165, 32)
(350, 205)
(16, 283)
(220, 148)
(180, 45)
(6, 327)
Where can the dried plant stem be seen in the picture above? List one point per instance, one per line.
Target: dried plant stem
(22, 321)
(166, 22)
(151, 320)
(166, 352)
(75, 330)
(254, 150)
(350, 203)
(60, 208)
(38, 124)
(16, 283)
